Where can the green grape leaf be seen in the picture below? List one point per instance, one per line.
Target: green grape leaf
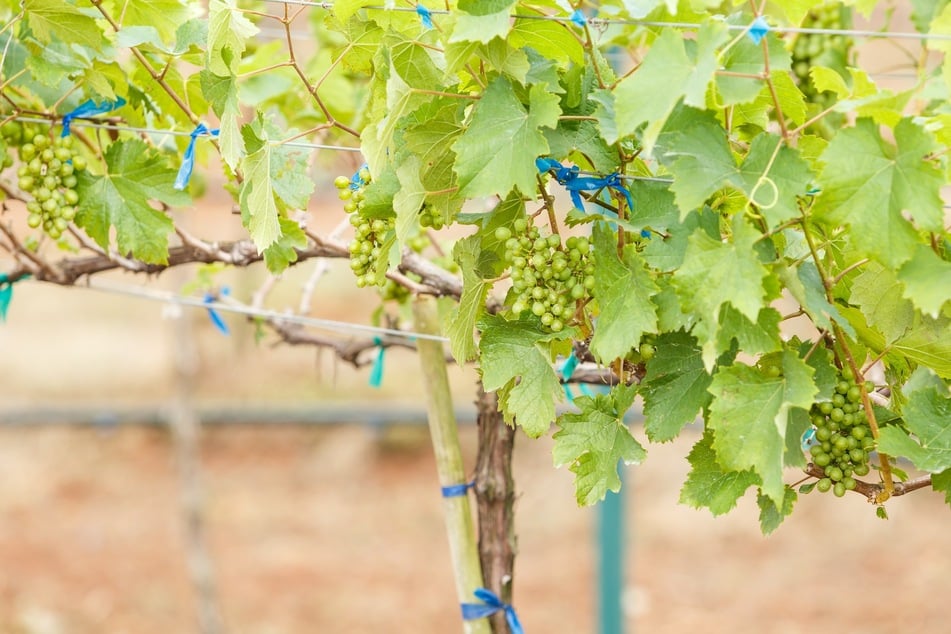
(408, 200)
(498, 150)
(228, 33)
(715, 273)
(623, 289)
(942, 482)
(667, 254)
(745, 57)
(344, 9)
(869, 184)
(805, 285)
(466, 254)
(757, 337)
(928, 416)
(482, 20)
(52, 20)
(283, 252)
(772, 515)
(710, 486)
(877, 293)
(513, 355)
(222, 93)
(259, 209)
(750, 413)
(415, 63)
(165, 16)
(773, 176)
(594, 441)
(551, 39)
(925, 277)
(673, 69)
(119, 199)
(571, 136)
(941, 26)
(675, 386)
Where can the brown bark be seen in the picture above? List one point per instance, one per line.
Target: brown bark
(495, 496)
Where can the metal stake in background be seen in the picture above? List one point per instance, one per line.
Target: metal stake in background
(610, 546)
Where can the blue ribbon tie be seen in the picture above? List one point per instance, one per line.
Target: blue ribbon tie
(188, 160)
(376, 372)
(809, 438)
(456, 490)
(579, 18)
(491, 604)
(425, 16)
(758, 29)
(356, 181)
(88, 109)
(571, 179)
(213, 314)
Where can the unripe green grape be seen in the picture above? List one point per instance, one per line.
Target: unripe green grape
(342, 182)
(34, 221)
(824, 484)
(838, 489)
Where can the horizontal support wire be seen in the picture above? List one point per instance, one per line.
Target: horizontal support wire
(197, 302)
(594, 21)
(92, 123)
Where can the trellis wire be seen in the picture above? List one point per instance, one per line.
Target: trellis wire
(313, 322)
(594, 21)
(153, 131)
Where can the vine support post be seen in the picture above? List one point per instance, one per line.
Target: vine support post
(445, 436)
(610, 546)
(495, 496)
(185, 427)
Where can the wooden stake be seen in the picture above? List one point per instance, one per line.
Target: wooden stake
(444, 433)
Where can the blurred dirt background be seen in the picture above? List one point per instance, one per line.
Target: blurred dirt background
(339, 528)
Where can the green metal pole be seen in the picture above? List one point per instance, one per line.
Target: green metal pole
(610, 529)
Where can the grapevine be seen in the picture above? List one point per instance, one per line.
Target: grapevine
(810, 50)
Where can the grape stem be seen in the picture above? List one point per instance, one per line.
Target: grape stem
(875, 492)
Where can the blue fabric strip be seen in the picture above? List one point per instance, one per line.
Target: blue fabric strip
(213, 314)
(88, 109)
(578, 17)
(356, 181)
(376, 372)
(491, 604)
(456, 490)
(571, 179)
(188, 160)
(425, 16)
(758, 30)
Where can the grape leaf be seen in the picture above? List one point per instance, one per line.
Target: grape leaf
(259, 210)
(771, 515)
(675, 386)
(749, 415)
(715, 273)
(925, 278)
(708, 485)
(499, 148)
(482, 20)
(513, 355)
(756, 337)
(551, 39)
(673, 69)
(877, 293)
(474, 290)
(746, 57)
(52, 20)
(928, 416)
(805, 285)
(868, 183)
(593, 442)
(283, 252)
(942, 482)
(135, 174)
(623, 289)
(228, 33)
(165, 16)
(773, 176)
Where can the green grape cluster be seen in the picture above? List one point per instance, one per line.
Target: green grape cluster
(369, 233)
(48, 175)
(431, 218)
(821, 49)
(548, 278)
(843, 435)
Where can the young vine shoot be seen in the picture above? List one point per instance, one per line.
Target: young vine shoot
(720, 208)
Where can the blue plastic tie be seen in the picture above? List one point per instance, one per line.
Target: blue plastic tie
(758, 29)
(188, 160)
(425, 16)
(356, 181)
(88, 109)
(456, 490)
(586, 390)
(809, 438)
(579, 18)
(491, 604)
(568, 369)
(6, 293)
(376, 372)
(213, 314)
(571, 179)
